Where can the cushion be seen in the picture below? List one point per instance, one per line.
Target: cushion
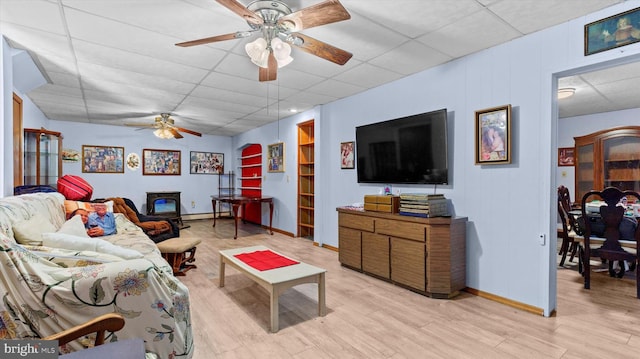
(178, 245)
(67, 241)
(74, 226)
(30, 231)
(70, 206)
(75, 188)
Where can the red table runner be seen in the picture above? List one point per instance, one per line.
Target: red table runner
(265, 260)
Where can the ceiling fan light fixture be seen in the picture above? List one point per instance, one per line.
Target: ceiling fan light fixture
(566, 92)
(163, 133)
(282, 52)
(257, 51)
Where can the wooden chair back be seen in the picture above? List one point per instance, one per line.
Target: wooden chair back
(611, 250)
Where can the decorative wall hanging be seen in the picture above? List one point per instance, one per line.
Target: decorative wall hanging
(133, 161)
(70, 155)
(102, 159)
(347, 155)
(275, 157)
(493, 135)
(614, 31)
(566, 156)
(160, 162)
(206, 163)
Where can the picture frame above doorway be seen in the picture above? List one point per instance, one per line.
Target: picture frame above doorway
(612, 32)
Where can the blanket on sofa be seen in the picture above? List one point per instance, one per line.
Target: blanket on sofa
(45, 290)
(151, 228)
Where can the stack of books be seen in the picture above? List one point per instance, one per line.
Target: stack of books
(423, 205)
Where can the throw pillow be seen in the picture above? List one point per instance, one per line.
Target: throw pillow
(29, 232)
(67, 241)
(74, 226)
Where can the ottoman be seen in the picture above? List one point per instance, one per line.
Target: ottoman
(180, 253)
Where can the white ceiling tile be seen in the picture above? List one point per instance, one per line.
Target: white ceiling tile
(368, 76)
(481, 30)
(409, 58)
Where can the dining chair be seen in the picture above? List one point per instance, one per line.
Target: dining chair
(611, 250)
(567, 225)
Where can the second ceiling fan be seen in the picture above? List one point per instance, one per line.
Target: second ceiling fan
(279, 27)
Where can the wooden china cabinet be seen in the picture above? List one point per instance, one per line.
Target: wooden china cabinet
(608, 158)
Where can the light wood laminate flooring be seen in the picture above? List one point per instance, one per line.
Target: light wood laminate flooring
(370, 318)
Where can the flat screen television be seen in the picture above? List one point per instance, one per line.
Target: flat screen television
(410, 149)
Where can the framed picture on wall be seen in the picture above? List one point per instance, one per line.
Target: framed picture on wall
(611, 32)
(206, 163)
(566, 156)
(160, 162)
(493, 135)
(275, 157)
(347, 155)
(102, 159)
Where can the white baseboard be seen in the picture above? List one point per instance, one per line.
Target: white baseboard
(195, 216)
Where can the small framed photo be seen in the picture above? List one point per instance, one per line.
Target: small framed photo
(493, 135)
(614, 31)
(102, 159)
(347, 155)
(209, 163)
(566, 156)
(275, 157)
(160, 162)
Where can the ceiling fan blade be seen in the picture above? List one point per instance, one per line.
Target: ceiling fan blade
(323, 13)
(239, 9)
(175, 133)
(207, 40)
(140, 124)
(188, 131)
(269, 73)
(322, 49)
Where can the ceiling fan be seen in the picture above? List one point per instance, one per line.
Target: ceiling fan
(165, 127)
(279, 28)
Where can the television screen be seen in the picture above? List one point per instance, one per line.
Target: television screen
(410, 149)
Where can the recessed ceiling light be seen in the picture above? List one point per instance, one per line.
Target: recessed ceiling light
(293, 110)
(566, 92)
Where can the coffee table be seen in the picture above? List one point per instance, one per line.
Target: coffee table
(276, 281)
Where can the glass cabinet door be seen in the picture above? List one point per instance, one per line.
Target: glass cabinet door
(621, 157)
(42, 161)
(584, 170)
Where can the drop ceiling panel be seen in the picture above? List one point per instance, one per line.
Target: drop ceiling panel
(480, 30)
(409, 58)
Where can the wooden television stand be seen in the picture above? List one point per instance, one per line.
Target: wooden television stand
(425, 255)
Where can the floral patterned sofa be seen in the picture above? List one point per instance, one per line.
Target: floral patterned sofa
(45, 289)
